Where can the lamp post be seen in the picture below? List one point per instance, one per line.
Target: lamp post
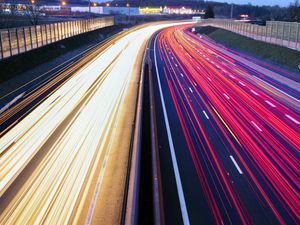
(33, 5)
(128, 5)
(89, 8)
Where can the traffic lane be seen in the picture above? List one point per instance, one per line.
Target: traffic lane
(26, 104)
(170, 194)
(216, 55)
(290, 164)
(198, 209)
(94, 93)
(36, 91)
(273, 67)
(206, 158)
(272, 106)
(219, 61)
(186, 88)
(225, 77)
(23, 140)
(229, 158)
(72, 151)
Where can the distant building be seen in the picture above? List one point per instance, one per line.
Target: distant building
(16, 9)
(94, 9)
(121, 10)
(54, 9)
(50, 8)
(177, 10)
(151, 10)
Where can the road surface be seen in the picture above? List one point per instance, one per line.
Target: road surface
(229, 134)
(65, 161)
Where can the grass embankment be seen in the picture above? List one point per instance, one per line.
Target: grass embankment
(273, 53)
(18, 64)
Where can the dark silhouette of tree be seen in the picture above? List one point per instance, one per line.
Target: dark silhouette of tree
(294, 10)
(33, 14)
(209, 12)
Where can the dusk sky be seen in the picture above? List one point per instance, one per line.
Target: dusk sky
(259, 2)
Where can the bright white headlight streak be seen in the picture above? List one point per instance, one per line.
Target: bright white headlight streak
(89, 102)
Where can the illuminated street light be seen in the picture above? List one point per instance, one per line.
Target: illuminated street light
(128, 5)
(32, 2)
(63, 3)
(107, 4)
(94, 4)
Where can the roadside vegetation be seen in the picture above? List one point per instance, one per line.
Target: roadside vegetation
(275, 54)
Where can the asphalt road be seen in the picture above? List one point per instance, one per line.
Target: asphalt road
(228, 133)
(54, 160)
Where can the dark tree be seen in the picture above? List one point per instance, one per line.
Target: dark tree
(209, 12)
(33, 14)
(295, 11)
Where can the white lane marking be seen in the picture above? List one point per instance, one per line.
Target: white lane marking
(292, 119)
(208, 78)
(226, 96)
(241, 83)
(198, 67)
(181, 74)
(277, 89)
(191, 90)
(205, 114)
(232, 76)
(184, 213)
(236, 165)
(270, 103)
(254, 92)
(176, 65)
(257, 127)
(8, 105)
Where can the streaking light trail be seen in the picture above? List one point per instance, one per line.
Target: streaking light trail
(70, 131)
(240, 126)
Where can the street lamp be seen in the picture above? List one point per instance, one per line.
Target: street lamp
(128, 5)
(107, 4)
(63, 3)
(32, 2)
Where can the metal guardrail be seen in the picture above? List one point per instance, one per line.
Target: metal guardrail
(130, 207)
(131, 212)
(276, 32)
(14, 41)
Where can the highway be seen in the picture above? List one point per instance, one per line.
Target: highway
(228, 133)
(64, 161)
